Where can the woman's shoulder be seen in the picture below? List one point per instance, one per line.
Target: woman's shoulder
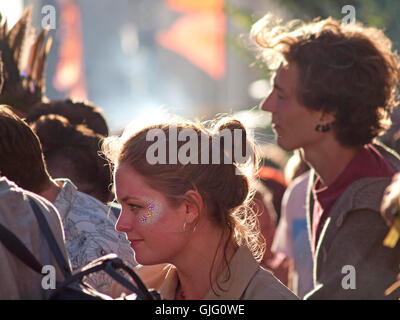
(154, 276)
(265, 286)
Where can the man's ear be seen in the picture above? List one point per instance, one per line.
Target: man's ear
(194, 206)
(328, 117)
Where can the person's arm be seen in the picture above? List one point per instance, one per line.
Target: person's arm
(390, 207)
(390, 210)
(357, 265)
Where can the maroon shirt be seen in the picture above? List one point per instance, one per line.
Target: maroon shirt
(367, 163)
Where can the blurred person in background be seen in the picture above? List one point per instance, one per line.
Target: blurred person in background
(72, 151)
(333, 92)
(273, 161)
(267, 217)
(390, 210)
(89, 228)
(291, 237)
(274, 180)
(77, 112)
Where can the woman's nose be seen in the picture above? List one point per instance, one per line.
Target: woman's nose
(123, 223)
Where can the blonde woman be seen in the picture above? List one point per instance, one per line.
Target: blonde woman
(191, 216)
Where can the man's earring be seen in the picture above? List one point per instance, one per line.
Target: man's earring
(323, 127)
(184, 227)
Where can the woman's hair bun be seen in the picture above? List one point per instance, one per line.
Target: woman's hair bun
(230, 124)
(242, 146)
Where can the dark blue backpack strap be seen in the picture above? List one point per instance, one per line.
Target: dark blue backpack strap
(18, 249)
(52, 242)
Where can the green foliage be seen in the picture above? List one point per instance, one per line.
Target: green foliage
(241, 21)
(378, 13)
(382, 14)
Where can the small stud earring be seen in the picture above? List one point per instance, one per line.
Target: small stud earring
(323, 127)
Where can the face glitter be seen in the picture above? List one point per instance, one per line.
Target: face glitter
(152, 213)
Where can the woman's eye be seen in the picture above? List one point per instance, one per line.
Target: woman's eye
(134, 207)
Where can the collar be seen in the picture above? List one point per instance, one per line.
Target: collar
(7, 185)
(243, 266)
(66, 197)
(4, 185)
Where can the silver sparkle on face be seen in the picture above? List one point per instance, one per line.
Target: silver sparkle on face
(153, 212)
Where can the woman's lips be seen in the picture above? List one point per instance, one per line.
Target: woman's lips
(135, 242)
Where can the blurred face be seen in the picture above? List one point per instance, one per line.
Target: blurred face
(151, 224)
(293, 124)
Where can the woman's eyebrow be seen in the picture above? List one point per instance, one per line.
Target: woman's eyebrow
(127, 198)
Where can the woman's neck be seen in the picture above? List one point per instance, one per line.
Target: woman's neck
(203, 260)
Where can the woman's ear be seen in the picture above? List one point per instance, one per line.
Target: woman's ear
(194, 206)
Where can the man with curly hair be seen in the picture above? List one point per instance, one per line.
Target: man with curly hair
(333, 92)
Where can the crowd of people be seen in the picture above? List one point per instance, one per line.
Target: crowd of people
(322, 224)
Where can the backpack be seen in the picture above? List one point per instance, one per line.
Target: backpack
(74, 287)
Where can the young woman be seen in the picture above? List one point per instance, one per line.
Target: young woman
(192, 217)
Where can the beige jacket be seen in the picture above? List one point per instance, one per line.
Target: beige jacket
(17, 281)
(248, 281)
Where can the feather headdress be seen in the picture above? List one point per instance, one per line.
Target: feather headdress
(23, 79)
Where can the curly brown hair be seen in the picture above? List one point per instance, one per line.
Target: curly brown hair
(347, 70)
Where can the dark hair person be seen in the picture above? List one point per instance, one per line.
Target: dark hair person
(71, 151)
(192, 218)
(89, 228)
(333, 92)
(77, 112)
(20, 145)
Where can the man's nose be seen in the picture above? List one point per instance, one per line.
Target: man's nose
(268, 104)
